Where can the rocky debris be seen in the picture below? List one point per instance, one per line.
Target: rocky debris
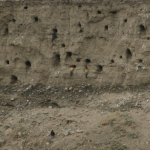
(6, 103)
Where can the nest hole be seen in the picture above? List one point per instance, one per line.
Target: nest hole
(120, 57)
(13, 79)
(99, 68)
(125, 20)
(140, 60)
(56, 59)
(148, 38)
(79, 5)
(87, 60)
(113, 12)
(69, 54)
(28, 64)
(106, 27)
(99, 12)
(63, 45)
(14, 20)
(81, 30)
(79, 24)
(55, 30)
(128, 54)
(7, 61)
(36, 19)
(6, 31)
(78, 60)
(112, 61)
(142, 28)
(26, 7)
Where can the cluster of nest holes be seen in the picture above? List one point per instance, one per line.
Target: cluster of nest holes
(7, 62)
(125, 20)
(106, 27)
(25, 7)
(99, 68)
(99, 12)
(128, 54)
(113, 12)
(36, 19)
(87, 61)
(142, 28)
(28, 64)
(13, 79)
(63, 45)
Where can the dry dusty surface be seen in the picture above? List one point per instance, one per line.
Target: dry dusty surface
(83, 117)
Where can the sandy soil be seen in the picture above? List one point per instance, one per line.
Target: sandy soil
(82, 117)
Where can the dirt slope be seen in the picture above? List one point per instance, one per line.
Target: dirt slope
(83, 117)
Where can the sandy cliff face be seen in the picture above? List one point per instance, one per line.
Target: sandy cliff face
(112, 38)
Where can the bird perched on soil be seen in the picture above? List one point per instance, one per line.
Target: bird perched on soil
(86, 71)
(72, 69)
(52, 133)
(54, 36)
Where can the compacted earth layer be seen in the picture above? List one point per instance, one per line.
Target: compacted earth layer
(82, 117)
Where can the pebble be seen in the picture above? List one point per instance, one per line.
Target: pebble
(79, 131)
(12, 99)
(50, 107)
(47, 143)
(66, 132)
(80, 91)
(70, 88)
(66, 89)
(49, 87)
(19, 133)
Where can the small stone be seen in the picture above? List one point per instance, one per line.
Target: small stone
(79, 131)
(71, 132)
(49, 87)
(70, 88)
(66, 89)
(66, 132)
(80, 91)
(47, 143)
(12, 99)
